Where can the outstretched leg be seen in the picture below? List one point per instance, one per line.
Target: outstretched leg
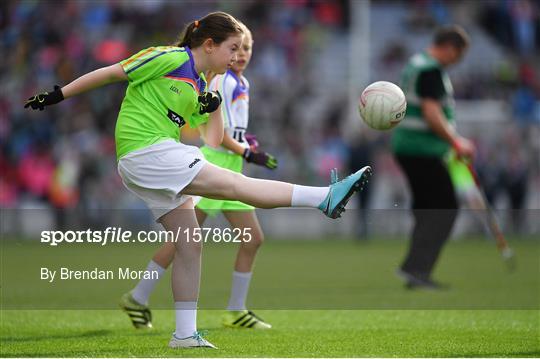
(218, 183)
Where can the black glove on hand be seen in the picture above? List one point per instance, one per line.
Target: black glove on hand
(43, 99)
(260, 158)
(209, 102)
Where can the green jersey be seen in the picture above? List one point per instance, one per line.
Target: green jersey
(423, 77)
(161, 98)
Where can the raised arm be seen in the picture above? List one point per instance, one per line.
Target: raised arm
(87, 82)
(94, 79)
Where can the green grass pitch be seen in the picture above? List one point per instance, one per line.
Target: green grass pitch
(325, 299)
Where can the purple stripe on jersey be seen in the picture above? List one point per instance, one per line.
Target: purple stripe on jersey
(200, 82)
(183, 71)
(187, 70)
(238, 91)
(150, 59)
(240, 88)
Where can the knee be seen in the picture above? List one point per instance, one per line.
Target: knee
(257, 239)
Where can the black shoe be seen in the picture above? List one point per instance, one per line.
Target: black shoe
(419, 281)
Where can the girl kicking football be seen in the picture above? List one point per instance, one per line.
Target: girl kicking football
(167, 90)
(235, 147)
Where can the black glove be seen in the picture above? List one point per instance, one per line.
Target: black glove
(209, 102)
(260, 158)
(45, 99)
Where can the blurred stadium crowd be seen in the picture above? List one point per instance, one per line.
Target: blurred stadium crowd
(64, 157)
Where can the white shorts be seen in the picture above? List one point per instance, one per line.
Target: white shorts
(158, 173)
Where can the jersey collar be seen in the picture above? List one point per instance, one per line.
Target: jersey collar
(240, 81)
(192, 62)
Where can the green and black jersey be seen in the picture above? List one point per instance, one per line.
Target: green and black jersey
(162, 96)
(423, 77)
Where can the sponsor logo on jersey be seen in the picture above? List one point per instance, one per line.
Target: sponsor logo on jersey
(176, 118)
(175, 89)
(197, 160)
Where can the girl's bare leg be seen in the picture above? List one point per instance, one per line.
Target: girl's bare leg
(186, 271)
(241, 278)
(165, 254)
(248, 250)
(219, 183)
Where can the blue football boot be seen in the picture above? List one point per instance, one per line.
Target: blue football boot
(340, 192)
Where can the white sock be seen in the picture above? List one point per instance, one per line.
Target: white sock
(306, 196)
(145, 286)
(186, 319)
(239, 290)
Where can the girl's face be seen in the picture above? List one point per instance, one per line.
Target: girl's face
(244, 54)
(224, 55)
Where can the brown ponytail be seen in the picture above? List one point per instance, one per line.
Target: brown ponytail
(217, 26)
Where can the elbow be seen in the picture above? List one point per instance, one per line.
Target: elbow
(214, 141)
(213, 144)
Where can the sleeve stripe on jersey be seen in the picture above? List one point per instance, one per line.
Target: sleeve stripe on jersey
(136, 57)
(144, 54)
(150, 59)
